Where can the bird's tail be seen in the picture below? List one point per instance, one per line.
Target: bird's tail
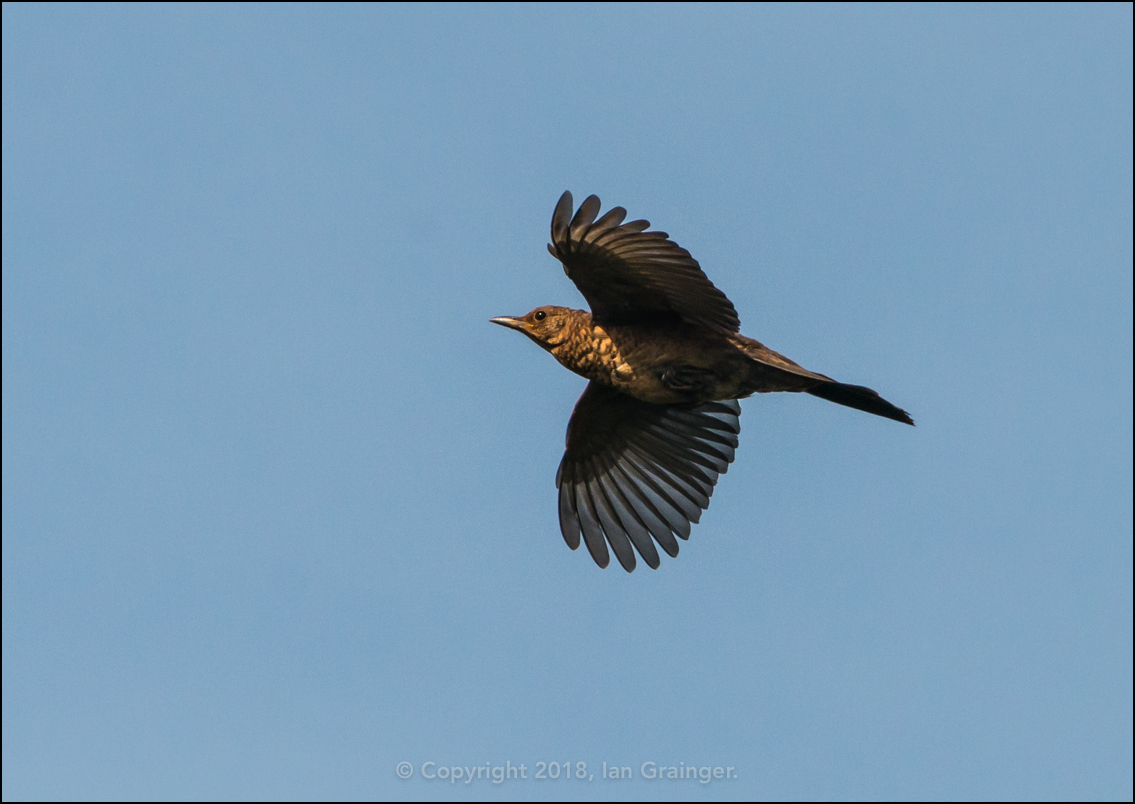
(860, 398)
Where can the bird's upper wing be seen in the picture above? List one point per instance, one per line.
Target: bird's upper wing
(629, 274)
(634, 470)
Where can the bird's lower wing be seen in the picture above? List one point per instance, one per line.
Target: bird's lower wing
(635, 473)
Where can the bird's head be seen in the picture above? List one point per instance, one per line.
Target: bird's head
(548, 326)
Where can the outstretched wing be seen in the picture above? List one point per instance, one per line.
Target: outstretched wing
(628, 274)
(638, 473)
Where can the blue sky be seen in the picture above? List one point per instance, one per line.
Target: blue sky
(278, 501)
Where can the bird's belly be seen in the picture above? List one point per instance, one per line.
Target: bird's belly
(678, 375)
(677, 384)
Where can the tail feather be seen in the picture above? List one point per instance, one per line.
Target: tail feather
(860, 398)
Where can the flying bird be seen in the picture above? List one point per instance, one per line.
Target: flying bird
(659, 419)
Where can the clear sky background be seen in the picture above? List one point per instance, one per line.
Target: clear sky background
(278, 501)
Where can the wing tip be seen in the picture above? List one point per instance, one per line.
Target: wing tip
(561, 216)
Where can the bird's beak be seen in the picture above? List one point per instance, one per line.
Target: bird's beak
(507, 321)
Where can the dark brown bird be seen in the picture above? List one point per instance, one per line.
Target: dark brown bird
(658, 421)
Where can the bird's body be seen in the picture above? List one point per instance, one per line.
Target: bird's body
(670, 362)
(659, 420)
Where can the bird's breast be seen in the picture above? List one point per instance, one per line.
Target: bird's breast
(592, 353)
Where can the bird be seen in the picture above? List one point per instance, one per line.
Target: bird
(666, 362)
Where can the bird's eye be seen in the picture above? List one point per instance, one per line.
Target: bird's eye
(540, 315)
